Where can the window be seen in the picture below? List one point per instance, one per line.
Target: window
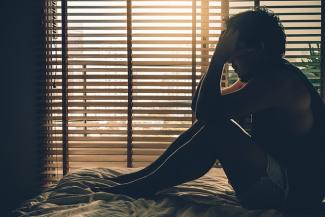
(123, 91)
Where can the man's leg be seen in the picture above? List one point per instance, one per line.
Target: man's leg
(178, 142)
(243, 161)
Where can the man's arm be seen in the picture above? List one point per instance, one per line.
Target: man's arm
(232, 88)
(210, 87)
(237, 85)
(259, 93)
(196, 93)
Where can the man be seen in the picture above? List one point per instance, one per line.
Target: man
(281, 164)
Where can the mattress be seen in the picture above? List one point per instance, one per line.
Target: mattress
(208, 196)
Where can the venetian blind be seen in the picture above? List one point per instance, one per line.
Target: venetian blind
(132, 68)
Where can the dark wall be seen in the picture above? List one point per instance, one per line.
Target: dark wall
(21, 66)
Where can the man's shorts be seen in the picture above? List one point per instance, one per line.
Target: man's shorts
(270, 191)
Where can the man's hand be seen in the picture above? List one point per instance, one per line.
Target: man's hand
(226, 46)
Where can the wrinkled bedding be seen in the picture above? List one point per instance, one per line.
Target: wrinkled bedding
(211, 195)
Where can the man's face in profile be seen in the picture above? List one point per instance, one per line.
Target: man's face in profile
(245, 62)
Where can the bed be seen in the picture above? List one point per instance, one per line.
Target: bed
(211, 195)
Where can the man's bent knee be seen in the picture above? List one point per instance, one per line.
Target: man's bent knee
(226, 127)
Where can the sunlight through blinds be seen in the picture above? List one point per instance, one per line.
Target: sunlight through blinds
(52, 159)
(124, 112)
(164, 34)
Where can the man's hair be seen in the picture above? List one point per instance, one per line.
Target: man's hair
(260, 25)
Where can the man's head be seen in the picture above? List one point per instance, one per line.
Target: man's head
(261, 40)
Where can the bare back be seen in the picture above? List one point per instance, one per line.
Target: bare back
(279, 129)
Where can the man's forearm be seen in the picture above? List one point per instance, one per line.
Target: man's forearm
(210, 87)
(196, 94)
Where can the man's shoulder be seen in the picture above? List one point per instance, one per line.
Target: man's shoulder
(285, 76)
(285, 83)
(277, 78)
(293, 85)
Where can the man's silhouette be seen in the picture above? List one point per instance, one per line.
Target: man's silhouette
(281, 164)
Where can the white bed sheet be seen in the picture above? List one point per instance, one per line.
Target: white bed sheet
(211, 195)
